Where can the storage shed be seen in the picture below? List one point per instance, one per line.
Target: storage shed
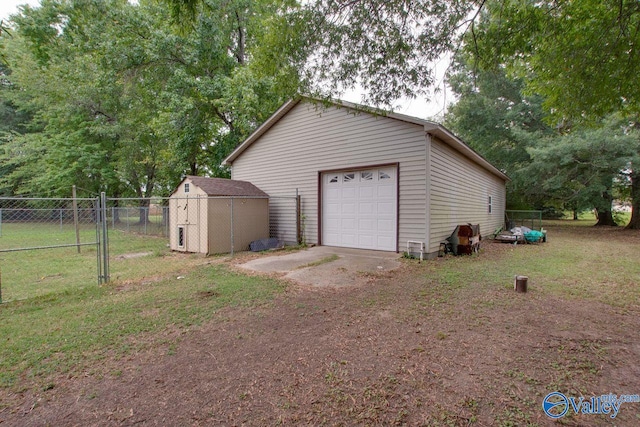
(371, 180)
(216, 215)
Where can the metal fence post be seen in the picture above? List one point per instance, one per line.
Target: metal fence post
(232, 226)
(298, 215)
(105, 238)
(97, 213)
(75, 216)
(165, 219)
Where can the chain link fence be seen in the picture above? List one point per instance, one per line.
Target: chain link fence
(54, 245)
(148, 216)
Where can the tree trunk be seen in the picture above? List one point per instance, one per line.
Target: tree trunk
(574, 210)
(116, 211)
(634, 223)
(605, 214)
(144, 211)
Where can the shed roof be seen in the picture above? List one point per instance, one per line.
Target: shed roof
(430, 127)
(226, 187)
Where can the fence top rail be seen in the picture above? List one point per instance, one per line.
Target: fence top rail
(21, 209)
(138, 198)
(220, 197)
(225, 197)
(50, 199)
(33, 248)
(93, 199)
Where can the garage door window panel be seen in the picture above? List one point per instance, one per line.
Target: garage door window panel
(366, 176)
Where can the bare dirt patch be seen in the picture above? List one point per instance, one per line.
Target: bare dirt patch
(399, 349)
(133, 255)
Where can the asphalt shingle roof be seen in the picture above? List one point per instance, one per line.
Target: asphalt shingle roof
(226, 187)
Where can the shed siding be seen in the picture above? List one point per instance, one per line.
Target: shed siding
(460, 190)
(310, 139)
(190, 211)
(250, 222)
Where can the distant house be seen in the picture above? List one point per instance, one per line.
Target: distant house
(204, 214)
(369, 180)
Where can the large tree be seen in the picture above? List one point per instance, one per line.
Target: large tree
(585, 168)
(582, 56)
(385, 47)
(129, 103)
(495, 117)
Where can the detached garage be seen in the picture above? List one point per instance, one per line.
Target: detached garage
(216, 215)
(371, 180)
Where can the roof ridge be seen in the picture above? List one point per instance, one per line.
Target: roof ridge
(216, 186)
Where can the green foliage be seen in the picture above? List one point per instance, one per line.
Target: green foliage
(330, 46)
(385, 46)
(4, 32)
(582, 56)
(124, 102)
(582, 168)
(496, 118)
(575, 61)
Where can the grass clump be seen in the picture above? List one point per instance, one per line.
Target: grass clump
(322, 261)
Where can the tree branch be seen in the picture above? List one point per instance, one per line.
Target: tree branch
(241, 40)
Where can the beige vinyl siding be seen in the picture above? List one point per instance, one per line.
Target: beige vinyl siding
(309, 139)
(282, 218)
(460, 191)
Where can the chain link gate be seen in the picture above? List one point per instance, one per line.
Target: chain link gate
(31, 228)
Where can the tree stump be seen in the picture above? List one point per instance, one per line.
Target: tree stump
(520, 284)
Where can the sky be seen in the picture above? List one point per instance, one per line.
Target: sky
(9, 7)
(434, 108)
(420, 108)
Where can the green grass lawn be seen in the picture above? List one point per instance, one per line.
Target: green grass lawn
(579, 261)
(129, 221)
(34, 273)
(589, 218)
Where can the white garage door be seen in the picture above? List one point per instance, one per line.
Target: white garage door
(359, 209)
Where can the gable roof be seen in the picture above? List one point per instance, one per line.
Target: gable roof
(226, 187)
(432, 128)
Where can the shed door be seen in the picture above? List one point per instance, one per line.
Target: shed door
(359, 209)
